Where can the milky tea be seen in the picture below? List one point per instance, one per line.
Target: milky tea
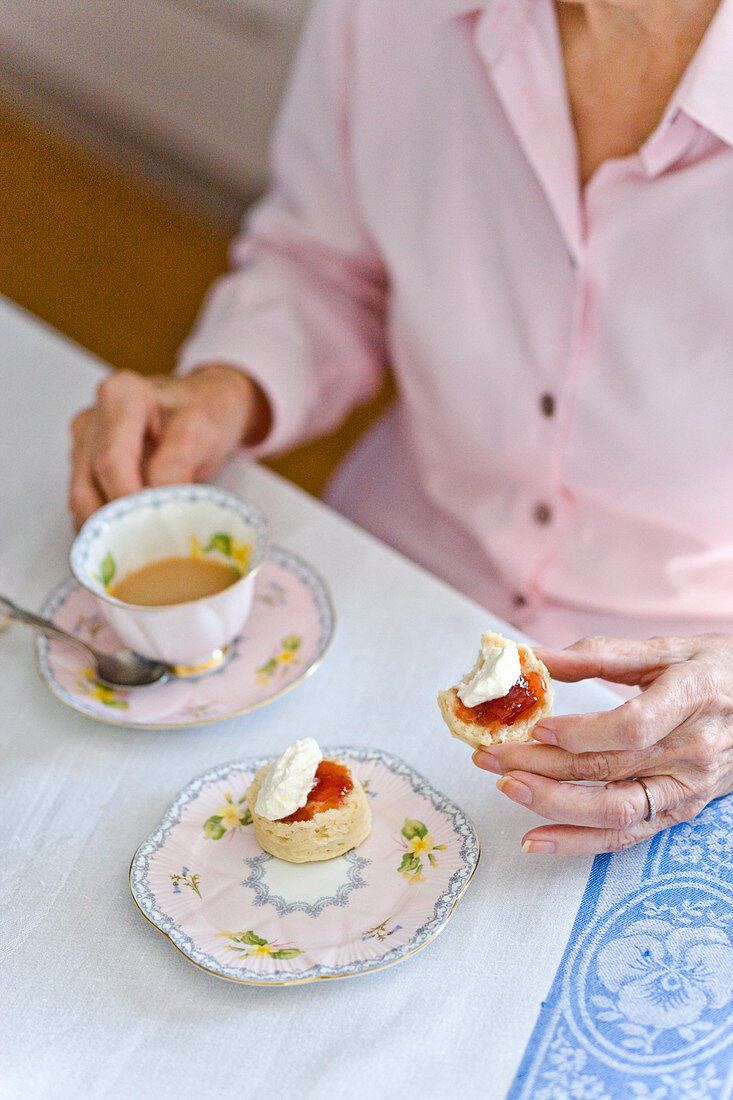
(174, 580)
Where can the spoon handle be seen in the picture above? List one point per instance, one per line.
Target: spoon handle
(45, 626)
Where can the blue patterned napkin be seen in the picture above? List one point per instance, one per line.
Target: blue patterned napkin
(642, 1004)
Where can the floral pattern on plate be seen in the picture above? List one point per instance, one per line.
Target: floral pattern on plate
(252, 918)
(287, 633)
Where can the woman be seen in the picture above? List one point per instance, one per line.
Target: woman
(525, 208)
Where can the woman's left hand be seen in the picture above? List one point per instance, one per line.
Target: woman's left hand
(676, 735)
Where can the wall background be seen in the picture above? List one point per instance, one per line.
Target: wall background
(133, 135)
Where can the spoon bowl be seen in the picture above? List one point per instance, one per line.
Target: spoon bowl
(121, 669)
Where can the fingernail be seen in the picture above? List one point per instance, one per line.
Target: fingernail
(543, 734)
(487, 761)
(539, 846)
(512, 788)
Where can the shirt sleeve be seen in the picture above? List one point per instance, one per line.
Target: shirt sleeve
(302, 309)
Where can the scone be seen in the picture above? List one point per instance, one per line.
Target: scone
(333, 817)
(509, 691)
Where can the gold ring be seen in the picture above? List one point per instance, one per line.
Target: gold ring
(649, 799)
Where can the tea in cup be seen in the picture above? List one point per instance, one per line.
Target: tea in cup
(173, 570)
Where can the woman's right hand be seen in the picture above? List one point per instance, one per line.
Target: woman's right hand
(161, 430)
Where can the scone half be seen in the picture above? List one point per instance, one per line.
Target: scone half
(329, 833)
(471, 725)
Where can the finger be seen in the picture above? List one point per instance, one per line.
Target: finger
(84, 495)
(620, 660)
(636, 725)
(189, 447)
(208, 413)
(673, 802)
(571, 840)
(84, 499)
(566, 767)
(681, 805)
(616, 806)
(126, 412)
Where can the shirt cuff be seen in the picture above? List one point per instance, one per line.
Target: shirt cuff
(278, 369)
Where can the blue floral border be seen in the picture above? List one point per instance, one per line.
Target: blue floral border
(641, 1004)
(464, 829)
(51, 605)
(255, 881)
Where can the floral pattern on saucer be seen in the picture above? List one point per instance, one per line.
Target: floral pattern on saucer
(288, 631)
(252, 918)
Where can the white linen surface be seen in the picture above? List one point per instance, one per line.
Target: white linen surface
(97, 1003)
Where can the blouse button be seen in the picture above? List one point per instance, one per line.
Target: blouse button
(547, 404)
(542, 513)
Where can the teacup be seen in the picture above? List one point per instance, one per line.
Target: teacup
(176, 521)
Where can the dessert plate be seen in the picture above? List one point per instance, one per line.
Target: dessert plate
(284, 638)
(202, 879)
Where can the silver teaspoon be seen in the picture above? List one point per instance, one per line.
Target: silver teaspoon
(121, 669)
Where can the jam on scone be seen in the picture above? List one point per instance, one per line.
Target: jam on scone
(306, 808)
(502, 698)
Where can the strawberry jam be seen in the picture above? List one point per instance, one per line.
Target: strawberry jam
(529, 689)
(332, 784)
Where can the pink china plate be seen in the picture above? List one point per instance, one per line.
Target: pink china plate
(202, 879)
(286, 634)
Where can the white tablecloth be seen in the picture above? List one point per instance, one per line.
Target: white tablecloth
(96, 1003)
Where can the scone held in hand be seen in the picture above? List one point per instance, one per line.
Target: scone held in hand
(305, 808)
(506, 693)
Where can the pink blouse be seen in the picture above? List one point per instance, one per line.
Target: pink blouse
(564, 357)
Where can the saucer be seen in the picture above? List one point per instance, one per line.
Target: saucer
(203, 880)
(288, 631)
